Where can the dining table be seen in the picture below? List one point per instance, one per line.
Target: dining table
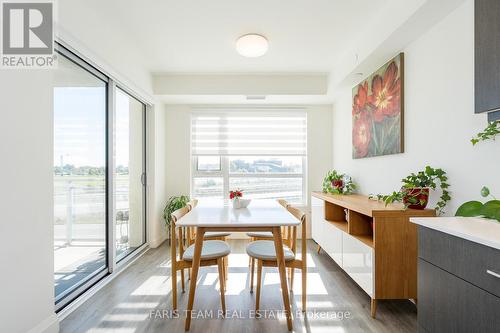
(219, 215)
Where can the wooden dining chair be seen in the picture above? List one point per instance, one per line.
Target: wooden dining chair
(212, 254)
(265, 253)
(213, 235)
(265, 235)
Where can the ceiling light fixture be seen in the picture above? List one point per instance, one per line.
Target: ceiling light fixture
(252, 45)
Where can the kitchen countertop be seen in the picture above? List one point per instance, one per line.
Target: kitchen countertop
(476, 229)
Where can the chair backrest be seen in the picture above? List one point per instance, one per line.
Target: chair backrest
(301, 216)
(176, 215)
(283, 202)
(191, 204)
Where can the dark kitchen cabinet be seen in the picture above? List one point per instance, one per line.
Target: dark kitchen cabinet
(487, 57)
(458, 284)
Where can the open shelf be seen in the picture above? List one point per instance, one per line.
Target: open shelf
(342, 225)
(366, 239)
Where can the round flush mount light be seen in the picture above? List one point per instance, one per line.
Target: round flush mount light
(252, 45)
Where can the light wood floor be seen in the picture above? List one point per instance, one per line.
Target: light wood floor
(138, 300)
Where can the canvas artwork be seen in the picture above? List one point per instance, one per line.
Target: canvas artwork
(377, 112)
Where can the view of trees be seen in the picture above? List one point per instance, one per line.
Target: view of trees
(70, 169)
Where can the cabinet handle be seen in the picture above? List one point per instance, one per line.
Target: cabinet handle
(495, 274)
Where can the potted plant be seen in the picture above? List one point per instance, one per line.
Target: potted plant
(173, 203)
(416, 188)
(490, 209)
(338, 183)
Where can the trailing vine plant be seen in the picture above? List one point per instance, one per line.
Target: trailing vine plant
(489, 133)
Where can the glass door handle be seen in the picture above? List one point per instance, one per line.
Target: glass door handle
(144, 179)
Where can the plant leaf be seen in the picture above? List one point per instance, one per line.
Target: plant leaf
(470, 209)
(491, 209)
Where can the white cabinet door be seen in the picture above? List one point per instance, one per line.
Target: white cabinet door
(333, 242)
(357, 260)
(317, 219)
(325, 234)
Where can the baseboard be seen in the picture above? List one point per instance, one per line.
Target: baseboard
(157, 242)
(48, 325)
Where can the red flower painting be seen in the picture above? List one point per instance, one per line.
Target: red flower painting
(377, 112)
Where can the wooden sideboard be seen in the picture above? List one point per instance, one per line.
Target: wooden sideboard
(381, 259)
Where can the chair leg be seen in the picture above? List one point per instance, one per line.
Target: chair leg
(222, 284)
(304, 289)
(292, 273)
(174, 288)
(226, 267)
(182, 281)
(224, 273)
(189, 274)
(259, 285)
(319, 249)
(252, 267)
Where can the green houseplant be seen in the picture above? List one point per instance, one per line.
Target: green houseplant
(173, 203)
(489, 209)
(414, 192)
(338, 183)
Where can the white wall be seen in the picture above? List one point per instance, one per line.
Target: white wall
(92, 27)
(26, 226)
(26, 136)
(439, 118)
(178, 161)
(157, 172)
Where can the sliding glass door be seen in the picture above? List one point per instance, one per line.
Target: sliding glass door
(80, 181)
(130, 173)
(99, 176)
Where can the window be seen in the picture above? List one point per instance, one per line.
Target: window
(262, 153)
(99, 173)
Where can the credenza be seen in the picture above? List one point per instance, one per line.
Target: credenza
(374, 244)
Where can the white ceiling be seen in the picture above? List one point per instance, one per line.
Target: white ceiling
(193, 36)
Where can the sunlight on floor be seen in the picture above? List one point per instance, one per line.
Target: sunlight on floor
(136, 305)
(124, 317)
(154, 285)
(236, 283)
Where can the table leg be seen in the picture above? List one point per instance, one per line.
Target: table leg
(198, 244)
(278, 243)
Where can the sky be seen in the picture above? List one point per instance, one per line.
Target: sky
(79, 126)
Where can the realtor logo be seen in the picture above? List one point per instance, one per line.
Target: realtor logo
(27, 34)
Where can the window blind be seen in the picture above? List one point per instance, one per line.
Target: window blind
(249, 133)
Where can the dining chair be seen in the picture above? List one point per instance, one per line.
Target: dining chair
(265, 253)
(213, 235)
(265, 235)
(212, 254)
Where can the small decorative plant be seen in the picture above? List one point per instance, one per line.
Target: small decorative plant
(489, 133)
(415, 190)
(338, 183)
(490, 209)
(235, 194)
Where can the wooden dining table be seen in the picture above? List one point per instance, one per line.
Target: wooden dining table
(219, 215)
